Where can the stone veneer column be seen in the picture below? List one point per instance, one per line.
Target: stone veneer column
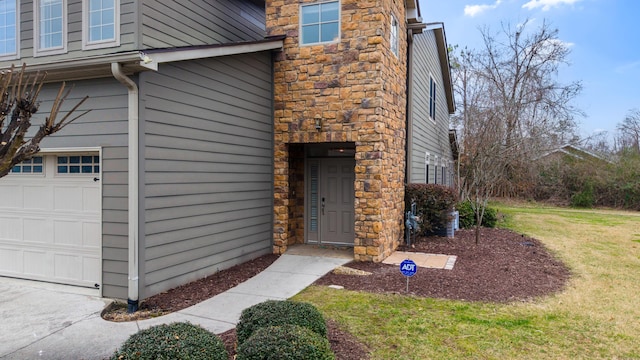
(356, 87)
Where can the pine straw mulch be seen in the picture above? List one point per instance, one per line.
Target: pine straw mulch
(503, 267)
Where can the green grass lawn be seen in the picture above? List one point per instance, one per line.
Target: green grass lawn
(597, 316)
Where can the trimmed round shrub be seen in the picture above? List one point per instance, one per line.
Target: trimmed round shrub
(285, 342)
(174, 341)
(274, 313)
(468, 216)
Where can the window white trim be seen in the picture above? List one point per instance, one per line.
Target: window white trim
(16, 53)
(86, 44)
(62, 49)
(433, 98)
(300, 25)
(427, 158)
(435, 170)
(393, 35)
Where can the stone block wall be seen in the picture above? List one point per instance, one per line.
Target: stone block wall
(356, 89)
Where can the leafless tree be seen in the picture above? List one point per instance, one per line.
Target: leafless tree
(512, 108)
(18, 102)
(629, 131)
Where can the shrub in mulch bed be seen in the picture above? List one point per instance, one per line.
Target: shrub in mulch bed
(177, 341)
(285, 342)
(274, 313)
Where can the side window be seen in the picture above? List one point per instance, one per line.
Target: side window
(432, 99)
(435, 170)
(50, 24)
(426, 167)
(9, 29)
(320, 23)
(394, 35)
(101, 23)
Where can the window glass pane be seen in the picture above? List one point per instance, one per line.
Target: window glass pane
(37, 169)
(107, 32)
(95, 5)
(107, 17)
(26, 168)
(310, 14)
(37, 160)
(62, 169)
(16, 169)
(87, 159)
(74, 169)
(329, 32)
(74, 159)
(96, 169)
(330, 12)
(310, 34)
(7, 26)
(87, 169)
(62, 159)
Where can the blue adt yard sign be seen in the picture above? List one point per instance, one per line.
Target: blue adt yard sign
(408, 268)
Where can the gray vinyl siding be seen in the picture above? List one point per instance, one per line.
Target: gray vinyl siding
(208, 171)
(128, 33)
(169, 23)
(428, 136)
(106, 127)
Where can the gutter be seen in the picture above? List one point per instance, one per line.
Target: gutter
(133, 284)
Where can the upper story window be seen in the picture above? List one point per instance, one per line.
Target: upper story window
(51, 26)
(8, 29)
(101, 24)
(394, 35)
(432, 99)
(320, 23)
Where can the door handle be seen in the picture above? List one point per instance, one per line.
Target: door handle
(322, 206)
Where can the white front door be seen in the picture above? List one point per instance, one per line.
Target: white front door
(50, 220)
(331, 201)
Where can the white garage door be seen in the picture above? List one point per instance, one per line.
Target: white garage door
(50, 215)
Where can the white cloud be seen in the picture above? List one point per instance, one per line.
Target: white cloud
(546, 5)
(473, 10)
(628, 67)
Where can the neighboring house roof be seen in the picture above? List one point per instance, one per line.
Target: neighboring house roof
(443, 54)
(144, 60)
(573, 151)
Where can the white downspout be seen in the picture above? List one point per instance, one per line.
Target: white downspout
(116, 70)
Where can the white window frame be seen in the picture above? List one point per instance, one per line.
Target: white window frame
(31, 164)
(16, 53)
(300, 25)
(427, 158)
(393, 35)
(80, 164)
(86, 44)
(435, 170)
(38, 50)
(433, 96)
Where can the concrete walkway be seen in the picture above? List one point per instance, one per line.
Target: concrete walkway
(49, 323)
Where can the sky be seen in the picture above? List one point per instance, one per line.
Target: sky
(603, 35)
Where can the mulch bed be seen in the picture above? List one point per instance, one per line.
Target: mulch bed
(503, 267)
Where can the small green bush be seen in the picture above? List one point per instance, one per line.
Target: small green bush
(274, 313)
(177, 341)
(468, 216)
(433, 204)
(285, 342)
(583, 199)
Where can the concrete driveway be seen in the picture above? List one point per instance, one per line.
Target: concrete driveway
(40, 321)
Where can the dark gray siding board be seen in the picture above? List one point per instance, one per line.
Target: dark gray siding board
(168, 23)
(208, 167)
(428, 135)
(105, 126)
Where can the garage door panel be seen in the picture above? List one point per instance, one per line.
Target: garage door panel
(50, 226)
(12, 197)
(11, 228)
(38, 230)
(37, 198)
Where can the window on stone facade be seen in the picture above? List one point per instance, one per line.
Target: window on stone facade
(394, 35)
(50, 25)
(8, 29)
(320, 23)
(432, 98)
(101, 23)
